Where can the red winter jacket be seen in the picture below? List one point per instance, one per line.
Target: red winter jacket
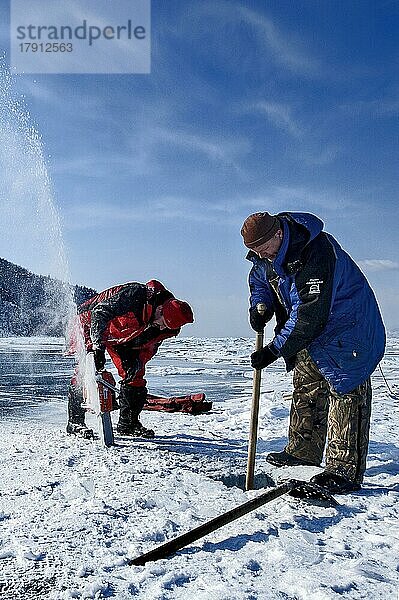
(123, 314)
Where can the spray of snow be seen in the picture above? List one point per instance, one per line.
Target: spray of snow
(89, 383)
(30, 230)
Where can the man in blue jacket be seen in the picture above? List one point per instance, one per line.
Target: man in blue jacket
(329, 330)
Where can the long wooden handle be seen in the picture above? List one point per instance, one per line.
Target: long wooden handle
(253, 425)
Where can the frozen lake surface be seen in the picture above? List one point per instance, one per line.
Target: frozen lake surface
(72, 512)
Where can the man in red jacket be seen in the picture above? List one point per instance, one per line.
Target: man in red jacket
(129, 321)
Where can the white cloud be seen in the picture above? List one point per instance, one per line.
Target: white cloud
(140, 157)
(375, 264)
(280, 115)
(214, 148)
(278, 198)
(382, 107)
(284, 50)
(168, 208)
(324, 155)
(98, 165)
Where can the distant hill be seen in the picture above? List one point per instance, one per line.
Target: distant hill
(35, 304)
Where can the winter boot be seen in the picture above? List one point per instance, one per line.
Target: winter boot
(80, 430)
(334, 483)
(131, 402)
(76, 414)
(136, 430)
(284, 459)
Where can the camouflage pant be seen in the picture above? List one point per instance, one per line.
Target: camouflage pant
(318, 412)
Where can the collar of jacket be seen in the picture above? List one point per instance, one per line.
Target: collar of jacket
(279, 260)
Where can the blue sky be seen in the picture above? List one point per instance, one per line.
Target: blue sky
(258, 105)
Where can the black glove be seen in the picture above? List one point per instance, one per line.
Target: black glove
(258, 321)
(263, 358)
(99, 359)
(132, 370)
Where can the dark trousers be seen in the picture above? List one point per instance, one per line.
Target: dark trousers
(76, 412)
(319, 413)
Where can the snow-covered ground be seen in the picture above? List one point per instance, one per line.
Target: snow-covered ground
(72, 512)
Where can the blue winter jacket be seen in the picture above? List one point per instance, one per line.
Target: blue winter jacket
(322, 302)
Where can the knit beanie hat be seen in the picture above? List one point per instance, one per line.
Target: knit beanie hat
(176, 313)
(259, 228)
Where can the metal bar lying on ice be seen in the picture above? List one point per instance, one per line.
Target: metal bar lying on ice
(305, 489)
(199, 532)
